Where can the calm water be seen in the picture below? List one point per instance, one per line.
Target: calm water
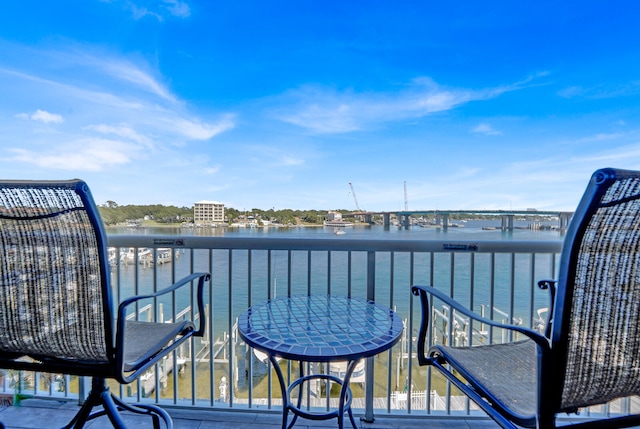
(274, 274)
(472, 230)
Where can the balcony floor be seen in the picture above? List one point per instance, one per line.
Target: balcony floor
(37, 414)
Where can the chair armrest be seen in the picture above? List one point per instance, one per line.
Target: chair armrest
(202, 278)
(423, 291)
(552, 286)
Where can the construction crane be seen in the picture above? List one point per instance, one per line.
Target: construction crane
(353, 192)
(406, 202)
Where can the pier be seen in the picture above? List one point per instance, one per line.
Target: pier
(442, 216)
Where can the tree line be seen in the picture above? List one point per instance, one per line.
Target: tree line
(113, 214)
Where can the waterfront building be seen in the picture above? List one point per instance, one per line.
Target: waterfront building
(334, 216)
(335, 219)
(208, 212)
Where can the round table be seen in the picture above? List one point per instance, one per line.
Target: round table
(317, 328)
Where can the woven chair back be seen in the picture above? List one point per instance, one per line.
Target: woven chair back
(51, 286)
(602, 329)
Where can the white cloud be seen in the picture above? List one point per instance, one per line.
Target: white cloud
(141, 12)
(177, 8)
(198, 130)
(117, 113)
(290, 160)
(99, 69)
(602, 91)
(485, 129)
(602, 137)
(134, 74)
(570, 92)
(271, 157)
(42, 116)
(324, 110)
(158, 9)
(83, 155)
(122, 131)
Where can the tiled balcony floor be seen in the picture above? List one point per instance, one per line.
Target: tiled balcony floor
(38, 414)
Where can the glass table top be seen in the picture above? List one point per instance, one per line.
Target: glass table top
(320, 328)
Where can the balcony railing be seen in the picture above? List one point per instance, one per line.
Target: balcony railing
(497, 278)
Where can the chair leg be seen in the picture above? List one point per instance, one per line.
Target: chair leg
(112, 405)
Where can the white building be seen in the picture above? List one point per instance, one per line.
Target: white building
(208, 212)
(334, 216)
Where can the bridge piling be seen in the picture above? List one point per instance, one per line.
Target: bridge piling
(442, 216)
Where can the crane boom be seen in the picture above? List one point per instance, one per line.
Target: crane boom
(353, 192)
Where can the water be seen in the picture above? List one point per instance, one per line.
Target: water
(469, 230)
(279, 273)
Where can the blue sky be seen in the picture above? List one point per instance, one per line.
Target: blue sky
(281, 104)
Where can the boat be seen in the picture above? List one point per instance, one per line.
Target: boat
(263, 357)
(129, 255)
(164, 255)
(339, 369)
(113, 256)
(340, 232)
(337, 223)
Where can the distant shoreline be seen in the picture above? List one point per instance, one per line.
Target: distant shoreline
(152, 224)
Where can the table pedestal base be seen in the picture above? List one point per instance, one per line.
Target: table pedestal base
(344, 405)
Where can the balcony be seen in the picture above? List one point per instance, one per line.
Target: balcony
(221, 376)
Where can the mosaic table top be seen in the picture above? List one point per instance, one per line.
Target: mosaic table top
(320, 328)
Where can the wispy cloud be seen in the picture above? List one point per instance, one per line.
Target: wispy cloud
(157, 9)
(82, 155)
(212, 170)
(278, 161)
(123, 131)
(196, 129)
(326, 110)
(177, 8)
(602, 137)
(129, 72)
(602, 91)
(485, 129)
(116, 112)
(42, 116)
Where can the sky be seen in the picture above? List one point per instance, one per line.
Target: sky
(492, 105)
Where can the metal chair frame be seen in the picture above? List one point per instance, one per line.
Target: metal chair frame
(603, 235)
(60, 215)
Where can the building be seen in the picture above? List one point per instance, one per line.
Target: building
(334, 216)
(335, 219)
(208, 212)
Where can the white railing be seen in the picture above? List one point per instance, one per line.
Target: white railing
(495, 277)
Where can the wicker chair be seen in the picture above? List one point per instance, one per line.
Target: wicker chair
(57, 313)
(590, 352)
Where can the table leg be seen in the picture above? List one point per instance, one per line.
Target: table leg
(344, 401)
(343, 395)
(301, 375)
(285, 395)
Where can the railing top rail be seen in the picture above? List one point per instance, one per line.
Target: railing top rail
(337, 244)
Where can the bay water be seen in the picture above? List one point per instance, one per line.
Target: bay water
(239, 280)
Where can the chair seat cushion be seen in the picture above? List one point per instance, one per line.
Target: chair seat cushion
(143, 340)
(508, 371)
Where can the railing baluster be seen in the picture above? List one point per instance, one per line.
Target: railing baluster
(248, 286)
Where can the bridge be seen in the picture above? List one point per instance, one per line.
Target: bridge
(442, 216)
